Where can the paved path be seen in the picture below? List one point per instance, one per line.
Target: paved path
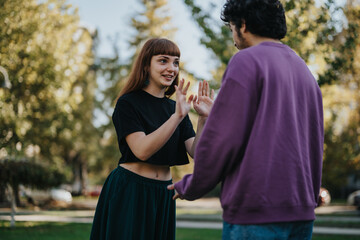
(188, 217)
(44, 218)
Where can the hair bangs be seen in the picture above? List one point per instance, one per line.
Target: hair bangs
(165, 47)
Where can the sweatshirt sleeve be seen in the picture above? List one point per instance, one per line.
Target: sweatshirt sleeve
(225, 134)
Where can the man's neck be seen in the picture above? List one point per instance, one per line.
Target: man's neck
(255, 40)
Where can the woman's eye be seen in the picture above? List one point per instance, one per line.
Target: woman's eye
(176, 64)
(163, 60)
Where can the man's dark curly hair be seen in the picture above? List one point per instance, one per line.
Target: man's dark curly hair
(265, 18)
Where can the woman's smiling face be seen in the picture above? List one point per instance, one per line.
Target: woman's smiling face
(163, 70)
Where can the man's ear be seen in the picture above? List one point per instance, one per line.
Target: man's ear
(243, 28)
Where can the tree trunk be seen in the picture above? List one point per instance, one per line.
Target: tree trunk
(16, 194)
(11, 196)
(80, 175)
(3, 194)
(83, 176)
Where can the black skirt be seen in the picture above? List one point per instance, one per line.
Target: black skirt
(134, 207)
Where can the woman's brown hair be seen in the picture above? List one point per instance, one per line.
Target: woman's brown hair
(140, 70)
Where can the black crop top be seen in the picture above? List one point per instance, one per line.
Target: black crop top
(140, 111)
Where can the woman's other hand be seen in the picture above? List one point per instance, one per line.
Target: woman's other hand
(205, 100)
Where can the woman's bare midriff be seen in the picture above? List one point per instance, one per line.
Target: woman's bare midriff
(161, 173)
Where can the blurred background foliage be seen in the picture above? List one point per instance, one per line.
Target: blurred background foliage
(28, 174)
(49, 114)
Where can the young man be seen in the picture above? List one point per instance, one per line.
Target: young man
(264, 136)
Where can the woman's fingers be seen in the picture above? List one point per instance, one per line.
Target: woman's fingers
(207, 89)
(200, 89)
(186, 88)
(212, 94)
(181, 84)
(191, 98)
(203, 88)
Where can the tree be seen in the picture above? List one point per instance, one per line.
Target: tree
(29, 174)
(340, 83)
(217, 37)
(341, 148)
(46, 115)
(14, 173)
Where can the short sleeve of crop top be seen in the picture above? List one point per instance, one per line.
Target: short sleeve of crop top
(126, 120)
(141, 112)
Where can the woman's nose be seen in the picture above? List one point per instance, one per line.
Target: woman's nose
(172, 68)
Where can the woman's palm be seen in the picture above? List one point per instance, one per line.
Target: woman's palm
(205, 101)
(183, 106)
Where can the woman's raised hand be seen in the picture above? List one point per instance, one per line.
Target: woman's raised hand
(205, 100)
(182, 105)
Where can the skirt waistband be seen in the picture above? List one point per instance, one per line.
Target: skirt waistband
(142, 179)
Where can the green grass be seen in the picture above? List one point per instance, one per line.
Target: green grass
(81, 231)
(44, 230)
(197, 234)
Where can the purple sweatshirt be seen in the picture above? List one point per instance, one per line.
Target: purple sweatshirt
(263, 139)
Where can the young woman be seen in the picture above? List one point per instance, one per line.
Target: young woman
(154, 133)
